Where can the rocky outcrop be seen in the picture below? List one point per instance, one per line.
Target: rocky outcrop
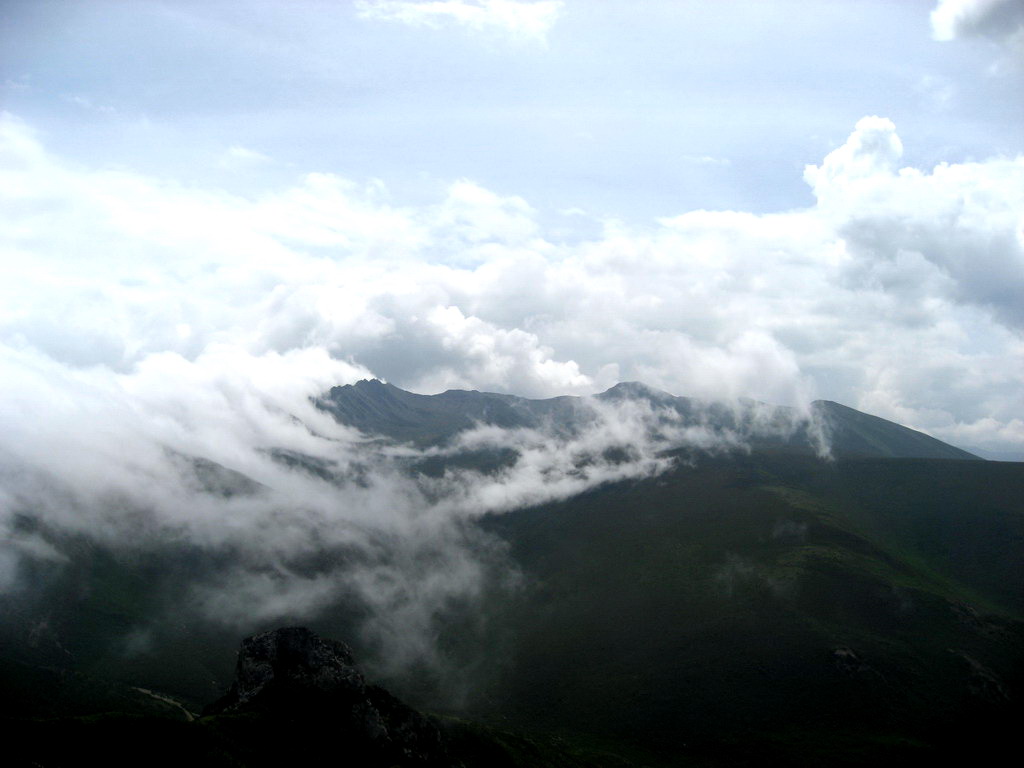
(295, 679)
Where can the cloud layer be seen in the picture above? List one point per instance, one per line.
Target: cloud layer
(144, 321)
(897, 292)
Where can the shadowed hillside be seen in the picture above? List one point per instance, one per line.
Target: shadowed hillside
(774, 606)
(750, 607)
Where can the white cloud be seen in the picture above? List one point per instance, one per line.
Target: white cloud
(519, 19)
(237, 156)
(873, 149)
(142, 320)
(963, 220)
(110, 268)
(476, 215)
(705, 160)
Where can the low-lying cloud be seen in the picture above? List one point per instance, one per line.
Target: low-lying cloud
(284, 511)
(143, 320)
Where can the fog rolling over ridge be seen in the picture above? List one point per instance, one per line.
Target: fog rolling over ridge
(361, 497)
(643, 375)
(824, 427)
(291, 483)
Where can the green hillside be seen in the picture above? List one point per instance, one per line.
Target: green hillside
(774, 605)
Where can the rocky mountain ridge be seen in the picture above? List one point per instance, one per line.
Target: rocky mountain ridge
(384, 410)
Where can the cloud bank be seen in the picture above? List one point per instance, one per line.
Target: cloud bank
(282, 513)
(145, 323)
(897, 292)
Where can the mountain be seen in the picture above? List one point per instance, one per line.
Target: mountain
(757, 606)
(380, 409)
(762, 608)
(297, 699)
(853, 433)
(384, 410)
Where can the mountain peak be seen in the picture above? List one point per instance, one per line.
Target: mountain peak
(859, 433)
(371, 385)
(634, 389)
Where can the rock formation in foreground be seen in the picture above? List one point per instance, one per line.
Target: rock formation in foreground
(298, 681)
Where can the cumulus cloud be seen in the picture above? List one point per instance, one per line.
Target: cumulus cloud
(108, 267)
(949, 229)
(873, 149)
(521, 20)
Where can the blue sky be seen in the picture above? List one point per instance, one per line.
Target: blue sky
(777, 199)
(634, 110)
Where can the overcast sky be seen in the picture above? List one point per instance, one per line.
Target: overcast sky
(777, 199)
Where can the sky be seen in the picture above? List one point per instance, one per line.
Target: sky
(780, 200)
(212, 212)
(774, 199)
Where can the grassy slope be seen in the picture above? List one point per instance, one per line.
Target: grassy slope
(774, 605)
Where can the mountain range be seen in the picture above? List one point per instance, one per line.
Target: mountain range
(377, 408)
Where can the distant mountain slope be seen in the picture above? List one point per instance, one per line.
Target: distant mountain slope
(854, 433)
(994, 455)
(384, 410)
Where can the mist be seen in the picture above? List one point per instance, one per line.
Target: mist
(162, 366)
(283, 512)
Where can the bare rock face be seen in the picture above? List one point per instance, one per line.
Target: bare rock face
(291, 662)
(308, 684)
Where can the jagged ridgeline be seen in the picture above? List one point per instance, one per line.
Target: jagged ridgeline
(792, 588)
